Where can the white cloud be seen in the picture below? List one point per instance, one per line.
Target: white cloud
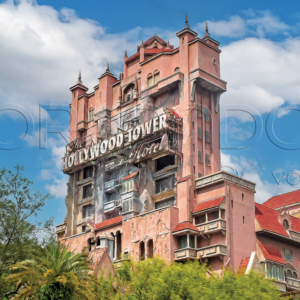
(249, 169)
(58, 188)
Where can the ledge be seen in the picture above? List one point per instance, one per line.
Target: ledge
(87, 180)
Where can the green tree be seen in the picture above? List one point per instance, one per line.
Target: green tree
(156, 279)
(19, 202)
(53, 272)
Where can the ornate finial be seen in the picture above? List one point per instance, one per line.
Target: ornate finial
(142, 46)
(107, 68)
(206, 30)
(79, 78)
(186, 22)
(125, 53)
(155, 34)
(136, 84)
(168, 44)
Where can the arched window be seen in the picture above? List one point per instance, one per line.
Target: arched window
(91, 113)
(156, 77)
(176, 70)
(294, 275)
(142, 251)
(285, 224)
(118, 244)
(150, 248)
(98, 242)
(149, 80)
(289, 274)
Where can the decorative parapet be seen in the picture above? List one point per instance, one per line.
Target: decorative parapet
(293, 283)
(90, 218)
(212, 226)
(111, 206)
(61, 227)
(187, 253)
(112, 186)
(224, 176)
(210, 251)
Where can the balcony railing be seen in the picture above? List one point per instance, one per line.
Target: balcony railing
(61, 227)
(90, 218)
(187, 253)
(111, 206)
(112, 186)
(211, 251)
(293, 283)
(212, 226)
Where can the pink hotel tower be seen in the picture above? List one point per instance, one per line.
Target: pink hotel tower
(144, 170)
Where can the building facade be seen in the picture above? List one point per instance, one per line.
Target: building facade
(144, 166)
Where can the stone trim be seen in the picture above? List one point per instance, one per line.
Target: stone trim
(207, 74)
(224, 176)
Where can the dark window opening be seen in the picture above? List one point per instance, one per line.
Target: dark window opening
(285, 224)
(216, 215)
(87, 191)
(87, 211)
(243, 219)
(142, 251)
(200, 219)
(83, 228)
(192, 241)
(164, 184)
(169, 202)
(243, 197)
(119, 244)
(165, 161)
(231, 203)
(87, 172)
(98, 242)
(150, 249)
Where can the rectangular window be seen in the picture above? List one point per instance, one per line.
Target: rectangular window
(182, 242)
(198, 111)
(162, 204)
(164, 184)
(275, 271)
(206, 114)
(283, 253)
(199, 175)
(150, 81)
(216, 215)
(207, 137)
(192, 241)
(86, 211)
(288, 254)
(200, 219)
(87, 172)
(83, 229)
(200, 157)
(156, 78)
(207, 159)
(87, 191)
(91, 115)
(269, 270)
(199, 133)
(280, 273)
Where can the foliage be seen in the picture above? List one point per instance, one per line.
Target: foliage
(54, 272)
(156, 279)
(19, 202)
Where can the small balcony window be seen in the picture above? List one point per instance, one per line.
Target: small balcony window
(149, 80)
(288, 254)
(280, 273)
(192, 241)
(269, 270)
(275, 271)
(127, 186)
(182, 242)
(87, 191)
(200, 219)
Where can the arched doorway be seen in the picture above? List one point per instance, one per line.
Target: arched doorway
(142, 251)
(150, 248)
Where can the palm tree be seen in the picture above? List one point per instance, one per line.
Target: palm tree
(54, 272)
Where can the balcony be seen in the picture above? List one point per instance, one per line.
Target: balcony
(212, 227)
(212, 251)
(111, 206)
(292, 283)
(61, 227)
(112, 165)
(183, 254)
(112, 186)
(87, 219)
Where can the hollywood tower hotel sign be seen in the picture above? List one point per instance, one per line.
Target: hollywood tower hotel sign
(144, 161)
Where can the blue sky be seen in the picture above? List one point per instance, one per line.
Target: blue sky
(43, 45)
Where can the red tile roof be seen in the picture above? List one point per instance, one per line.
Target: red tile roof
(80, 85)
(208, 204)
(270, 252)
(130, 176)
(152, 38)
(185, 225)
(107, 223)
(184, 179)
(243, 265)
(268, 219)
(284, 199)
